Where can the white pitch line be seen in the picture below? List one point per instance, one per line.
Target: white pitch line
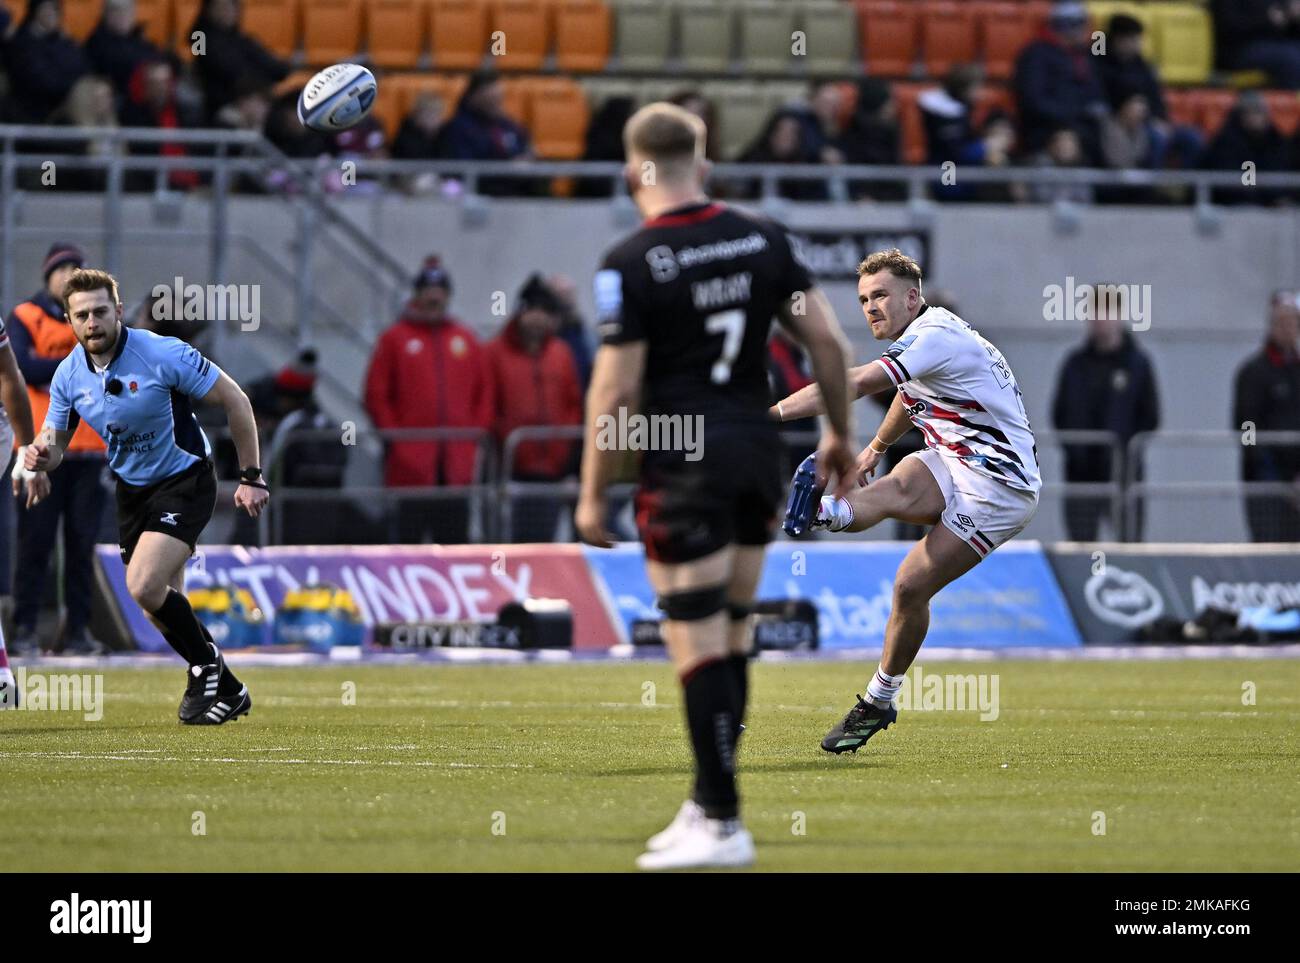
(114, 757)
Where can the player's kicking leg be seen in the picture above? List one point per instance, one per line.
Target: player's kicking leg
(746, 571)
(155, 577)
(698, 631)
(932, 563)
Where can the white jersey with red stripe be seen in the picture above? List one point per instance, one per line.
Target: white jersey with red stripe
(960, 392)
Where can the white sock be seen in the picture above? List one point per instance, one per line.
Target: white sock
(883, 687)
(838, 510)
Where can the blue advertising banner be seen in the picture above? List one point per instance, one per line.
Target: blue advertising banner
(1011, 599)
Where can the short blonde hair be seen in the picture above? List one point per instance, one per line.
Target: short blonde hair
(894, 261)
(665, 133)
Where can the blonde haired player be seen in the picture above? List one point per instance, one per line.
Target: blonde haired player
(976, 481)
(15, 419)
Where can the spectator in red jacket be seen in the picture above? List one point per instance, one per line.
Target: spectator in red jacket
(429, 371)
(536, 384)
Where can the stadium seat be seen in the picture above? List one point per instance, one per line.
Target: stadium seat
(582, 35)
(890, 32)
(1100, 12)
(642, 34)
(742, 113)
(1284, 108)
(948, 35)
(1183, 106)
(1214, 106)
(990, 98)
(1186, 44)
(913, 147)
(388, 104)
(516, 100)
(1004, 30)
(559, 115)
(601, 88)
(831, 34)
(766, 32)
(395, 31)
(406, 88)
(81, 17)
(459, 32)
(183, 14)
(155, 16)
(331, 30)
(523, 28)
(704, 33)
(661, 88)
(273, 22)
(782, 93)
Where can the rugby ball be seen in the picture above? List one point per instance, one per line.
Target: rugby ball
(337, 98)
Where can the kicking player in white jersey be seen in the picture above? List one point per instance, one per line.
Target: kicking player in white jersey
(978, 473)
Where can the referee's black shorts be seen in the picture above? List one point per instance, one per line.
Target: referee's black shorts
(180, 506)
(686, 510)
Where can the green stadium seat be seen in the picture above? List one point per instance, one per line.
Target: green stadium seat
(643, 34)
(742, 113)
(766, 35)
(705, 33)
(600, 88)
(831, 36)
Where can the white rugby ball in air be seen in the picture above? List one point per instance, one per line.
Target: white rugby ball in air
(337, 98)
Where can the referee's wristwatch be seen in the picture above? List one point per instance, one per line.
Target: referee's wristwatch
(252, 477)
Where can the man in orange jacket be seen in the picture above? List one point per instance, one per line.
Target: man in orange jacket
(429, 371)
(536, 384)
(42, 337)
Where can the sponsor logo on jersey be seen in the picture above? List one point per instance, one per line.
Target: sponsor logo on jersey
(169, 518)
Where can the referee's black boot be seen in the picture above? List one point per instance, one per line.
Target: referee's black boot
(213, 695)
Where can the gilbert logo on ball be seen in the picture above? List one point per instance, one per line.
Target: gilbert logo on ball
(337, 98)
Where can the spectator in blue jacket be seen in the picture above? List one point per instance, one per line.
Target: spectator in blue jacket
(43, 62)
(119, 45)
(480, 129)
(1056, 83)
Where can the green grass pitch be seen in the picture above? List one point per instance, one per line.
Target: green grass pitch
(565, 767)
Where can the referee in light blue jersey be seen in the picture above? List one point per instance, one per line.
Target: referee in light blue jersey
(137, 390)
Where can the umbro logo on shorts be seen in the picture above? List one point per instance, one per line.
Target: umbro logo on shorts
(965, 520)
(169, 518)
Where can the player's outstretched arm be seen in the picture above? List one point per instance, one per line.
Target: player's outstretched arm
(616, 378)
(243, 432)
(13, 397)
(892, 427)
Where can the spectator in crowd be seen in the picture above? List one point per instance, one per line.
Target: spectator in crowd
(1248, 136)
(573, 330)
(42, 337)
(1126, 145)
(89, 104)
(417, 138)
(152, 102)
(536, 384)
(1124, 72)
(788, 370)
(872, 136)
(118, 46)
(363, 141)
(947, 113)
(429, 371)
(287, 132)
(784, 141)
(1260, 35)
(699, 105)
(1056, 84)
(42, 62)
(822, 120)
(605, 143)
(993, 147)
(1063, 150)
(232, 61)
(480, 129)
(1106, 384)
(1266, 397)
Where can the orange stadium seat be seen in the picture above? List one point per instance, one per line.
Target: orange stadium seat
(890, 31)
(517, 99)
(459, 33)
(909, 119)
(388, 104)
(989, 99)
(331, 30)
(523, 26)
(582, 35)
(1284, 107)
(156, 18)
(1183, 107)
(183, 14)
(1005, 29)
(81, 17)
(273, 22)
(948, 35)
(559, 116)
(395, 31)
(1214, 108)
